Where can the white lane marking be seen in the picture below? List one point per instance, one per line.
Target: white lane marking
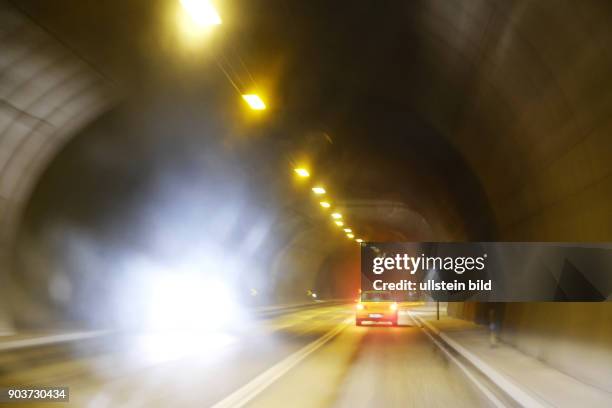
(520, 396)
(494, 400)
(46, 340)
(250, 390)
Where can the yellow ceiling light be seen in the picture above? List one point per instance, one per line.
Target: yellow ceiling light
(351, 236)
(318, 190)
(325, 204)
(339, 223)
(254, 101)
(202, 12)
(359, 240)
(348, 230)
(336, 216)
(302, 172)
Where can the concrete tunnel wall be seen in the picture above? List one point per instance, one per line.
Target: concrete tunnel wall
(46, 95)
(529, 106)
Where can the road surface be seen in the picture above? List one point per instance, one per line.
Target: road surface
(314, 357)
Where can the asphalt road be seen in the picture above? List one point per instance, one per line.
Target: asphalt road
(309, 358)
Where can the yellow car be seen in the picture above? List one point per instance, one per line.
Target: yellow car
(376, 306)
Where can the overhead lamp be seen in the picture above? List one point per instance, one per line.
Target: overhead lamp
(339, 223)
(351, 236)
(202, 12)
(302, 172)
(318, 190)
(325, 204)
(336, 216)
(254, 101)
(348, 230)
(359, 240)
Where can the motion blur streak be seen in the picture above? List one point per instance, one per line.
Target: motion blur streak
(324, 361)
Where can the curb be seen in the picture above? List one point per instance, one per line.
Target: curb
(503, 383)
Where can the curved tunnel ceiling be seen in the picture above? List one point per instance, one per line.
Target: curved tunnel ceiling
(324, 74)
(467, 114)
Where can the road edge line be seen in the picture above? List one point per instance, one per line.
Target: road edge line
(250, 390)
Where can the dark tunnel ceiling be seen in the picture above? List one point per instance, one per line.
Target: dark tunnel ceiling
(387, 81)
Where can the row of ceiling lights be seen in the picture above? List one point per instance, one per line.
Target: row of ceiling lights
(204, 14)
(336, 216)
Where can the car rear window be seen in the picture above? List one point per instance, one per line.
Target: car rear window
(376, 297)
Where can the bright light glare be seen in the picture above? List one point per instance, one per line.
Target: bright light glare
(202, 12)
(302, 172)
(188, 301)
(359, 306)
(339, 223)
(254, 102)
(348, 230)
(318, 190)
(161, 347)
(351, 236)
(336, 216)
(314, 295)
(359, 240)
(325, 204)
(393, 306)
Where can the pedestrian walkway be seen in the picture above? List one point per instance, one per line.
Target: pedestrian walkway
(527, 380)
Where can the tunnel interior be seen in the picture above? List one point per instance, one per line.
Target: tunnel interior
(428, 120)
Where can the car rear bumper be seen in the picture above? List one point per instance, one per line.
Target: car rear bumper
(376, 316)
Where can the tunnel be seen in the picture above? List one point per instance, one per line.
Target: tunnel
(125, 152)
